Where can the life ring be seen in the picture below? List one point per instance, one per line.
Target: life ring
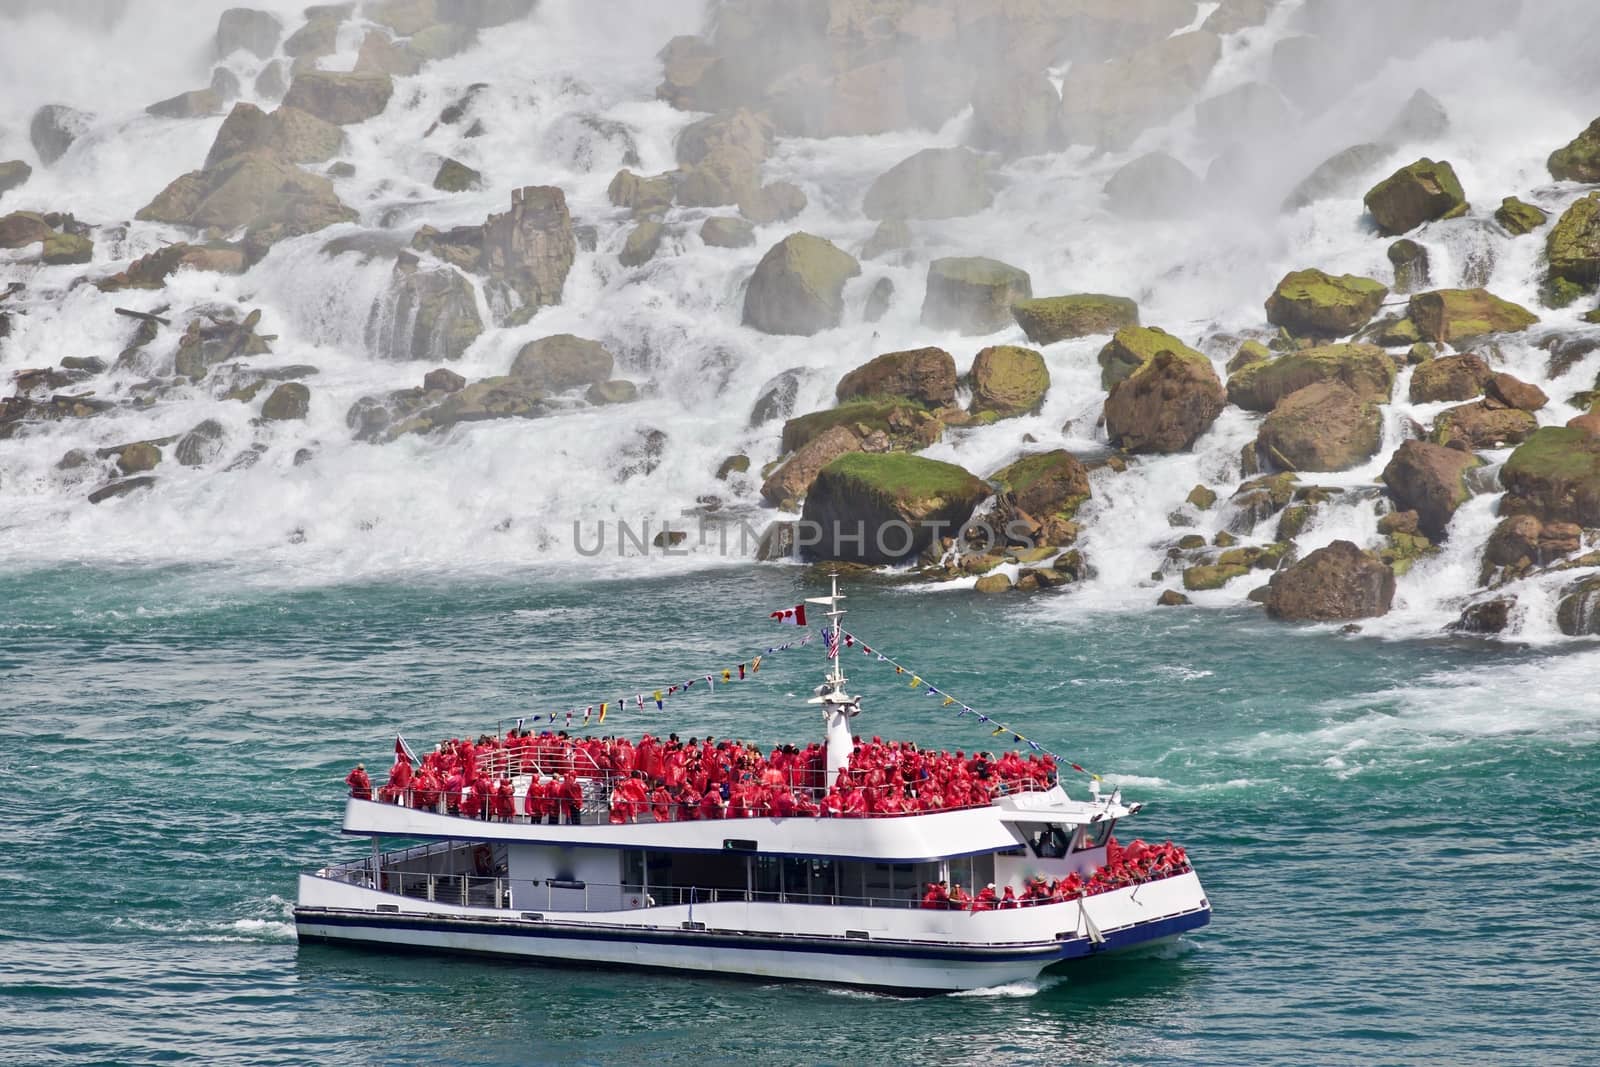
(482, 858)
(633, 902)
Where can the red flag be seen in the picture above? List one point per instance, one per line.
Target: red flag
(795, 616)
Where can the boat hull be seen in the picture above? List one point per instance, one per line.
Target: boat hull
(672, 942)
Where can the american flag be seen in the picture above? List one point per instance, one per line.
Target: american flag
(832, 643)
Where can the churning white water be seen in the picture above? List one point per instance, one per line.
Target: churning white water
(568, 99)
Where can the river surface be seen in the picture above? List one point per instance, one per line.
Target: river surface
(1397, 836)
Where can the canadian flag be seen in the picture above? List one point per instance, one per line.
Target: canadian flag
(795, 616)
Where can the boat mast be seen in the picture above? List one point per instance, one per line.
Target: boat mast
(838, 707)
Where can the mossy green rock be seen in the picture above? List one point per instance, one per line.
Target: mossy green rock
(455, 176)
(1049, 319)
(1484, 425)
(1555, 476)
(973, 294)
(1202, 497)
(1461, 316)
(1046, 484)
(1411, 265)
(1366, 369)
(727, 231)
(735, 464)
(798, 287)
(1580, 160)
(1008, 380)
(642, 243)
(895, 416)
(926, 375)
(1311, 303)
(289, 401)
(885, 508)
(1518, 217)
(61, 249)
(1132, 347)
(1249, 352)
(993, 583)
(1417, 193)
(1573, 249)
(1212, 576)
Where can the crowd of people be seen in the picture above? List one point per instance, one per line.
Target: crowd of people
(1140, 862)
(668, 780)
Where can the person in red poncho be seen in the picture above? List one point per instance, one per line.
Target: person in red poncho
(1009, 899)
(986, 899)
(533, 801)
(505, 800)
(937, 898)
(571, 797)
(360, 785)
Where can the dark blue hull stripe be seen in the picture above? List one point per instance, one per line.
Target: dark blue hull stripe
(1043, 952)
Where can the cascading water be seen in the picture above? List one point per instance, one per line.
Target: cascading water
(565, 97)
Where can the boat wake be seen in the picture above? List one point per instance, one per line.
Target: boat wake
(1029, 988)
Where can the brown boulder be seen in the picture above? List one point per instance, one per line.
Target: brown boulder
(1516, 393)
(1327, 426)
(1331, 584)
(787, 485)
(1555, 475)
(1165, 405)
(1484, 424)
(563, 361)
(1450, 378)
(1521, 541)
(1008, 380)
(924, 374)
(340, 98)
(1430, 480)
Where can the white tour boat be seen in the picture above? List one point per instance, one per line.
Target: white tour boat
(929, 900)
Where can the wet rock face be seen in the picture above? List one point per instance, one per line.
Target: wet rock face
(1165, 405)
(1578, 613)
(340, 98)
(1366, 369)
(429, 314)
(554, 364)
(1008, 380)
(245, 29)
(1430, 480)
(887, 507)
(1324, 427)
(1419, 192)
(798, 287)
(1555, 476)
(1580, 160)
(1310, 303)
(936, 183)
(927, 375)
(792, 481)
(1339, 582)
(53, 129)
(523, 254)
(1049, 319)
(972, 294)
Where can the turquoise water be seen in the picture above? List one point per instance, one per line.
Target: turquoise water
(1398, 838)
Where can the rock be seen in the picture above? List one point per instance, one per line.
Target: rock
(443, 380)
(1310, 303)
(1588, 423)
(1483, 425)
(340, 98)
(789, 483)
(739, 463)
(1016, 112)
(1250, 352)
(777, 397)
(798, 287)
(201, 445)
(1050, 486)
(1207, 576)
(1522, 541)
(1049, 319)
(936, 183)
(63, 249)
(271, 83)
(1422, 118)
(1430, 480)
(898, 503)
(13, 174)
(1337, 175)
(643, 241)
(1573, 250)
(1516, 393)
(1008, 381)
(320, 35)
(152, 271)
(878, 300)
(1109, 104)
(777, 202)
(272, 198)
(1461, 316)
(122, 488)
(194, 104)
(525, 253)
(53, 129)
(1331, 584)
(926, 375)
(1366, 369)
(1420, 192)
(1410, 262)
(1449, 378)
(440, 42)
(288, 133)
(993, 583)
(1579, 161)
(972, 294)
(428, 313)
(1519, 218)
(727, 231)
(1232, 16)
(1171, 598)
(639, 194)
(1485, 617)
(615, 391)
(726, 176)
(1578, 613)
(244, 29)
(1326, 426)
(892, 235)
(1153, 186)
(491, 398)
(556, 364)
(749, 134)
(1133, 346)
(289, 401)
(1555, 476)
(483, 14)
(1166, 404)
(1202, 497)
(456, 177)
(381, 54)
(1248, 112)
(138, 457)
(22, 228)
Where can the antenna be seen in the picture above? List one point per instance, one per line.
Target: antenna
(836, 678)
(838, 707)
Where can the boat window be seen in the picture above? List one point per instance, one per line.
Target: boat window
(1050, 841)
(1094, 835)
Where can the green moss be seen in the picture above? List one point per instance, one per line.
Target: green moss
(1461, 316)
(1314, 303)
(901, 477)
(1190, 542)
(67, 248)
(1580, 160)
(1051, 472)
(1573, 249)
(1518, 217)
(1420, 192)
(1212, 576)
(872, 412)
(1366, 369)
(1554, 453)
(1249, 352)
(1133, 347)
(977, 270)
(1049, 319)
